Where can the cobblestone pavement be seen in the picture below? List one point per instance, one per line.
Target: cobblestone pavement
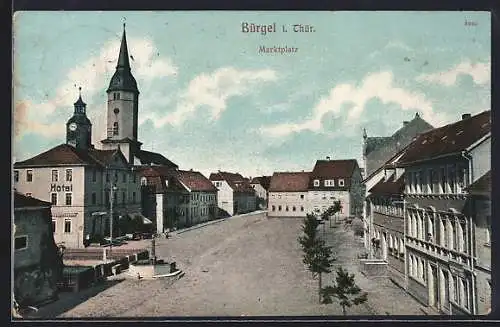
(248, 265)
(384, 297)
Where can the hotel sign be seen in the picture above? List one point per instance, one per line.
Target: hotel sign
(61, 188)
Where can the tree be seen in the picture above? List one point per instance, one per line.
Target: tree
(345, 290)
(331, 211)
(317, 256)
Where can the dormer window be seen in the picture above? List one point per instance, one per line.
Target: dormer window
(115, 128)
(329, 182)
(341, 183)
(166, 183)
(316, 182)
(144, 181)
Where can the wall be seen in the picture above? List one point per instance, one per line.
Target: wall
(224, 198)
(261, 193)
(38, 267)
(481, 159)
(483, 255)
(357, 192)
(319, 201)
(125, 117)
(290, 199)
(245, 202)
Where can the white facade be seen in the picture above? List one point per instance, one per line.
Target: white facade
(75, 199)
(225, 198)
(197, 209)
(481, 157)
(287, 204)
(319, 201)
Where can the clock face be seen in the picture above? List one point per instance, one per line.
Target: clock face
(72, 127)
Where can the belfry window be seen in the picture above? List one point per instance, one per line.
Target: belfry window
(115, 128)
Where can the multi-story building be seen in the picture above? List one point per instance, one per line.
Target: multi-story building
(480, 209)
(235, 194)
(177, 198)
(76, 179)
(377, 150)
(288, 194)
(336, 180)
(261, 186)
(387, 236)
(37, 264)
(439, 165)
(380, 151)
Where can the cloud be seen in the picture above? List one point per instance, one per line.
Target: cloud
(398, 45)
(93, 76)
(213, 91)
(480, 73)
(377, 85)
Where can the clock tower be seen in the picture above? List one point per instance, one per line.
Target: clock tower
(122, 107)
(79, 127)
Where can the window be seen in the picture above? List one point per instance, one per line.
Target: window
(316, 182)
(301, 208)
(94, 198)
(106, 196)
(67, 225)
(433, 178)
(116, 96)
(28, 194)
(123, 197)
(279, 208)
(55, 175)
(16, 176)
(53, 199)
(294, 209)
(488, 230)
(451, 179)
(69, 175)
(29, 175)
(21, 242)
(69, 198)
(329, 182)
(341, 183)
(134, 175)
(124, 178)
(274, 208)
(116, 177)
(94, 175)
(302, 196)
(286, 208)
(144, 181)
(133, 197)
(53, 226)
(442, 181)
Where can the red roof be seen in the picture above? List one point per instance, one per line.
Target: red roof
(264, 181)
(237, 182)
(23, 201)
(65, 154)
(448, 139)
(333, 169)
(289, 182)
(389, 186)
(195, 181)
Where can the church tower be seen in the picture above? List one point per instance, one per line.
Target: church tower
(122, 109)
(79, 127)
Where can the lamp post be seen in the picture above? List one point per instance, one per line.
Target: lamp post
(111, 200)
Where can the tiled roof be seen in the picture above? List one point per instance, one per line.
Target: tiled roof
(235, 180)
(195, 181)
(265, 181)
(157, 176)
(103, 156)
(62, 154)
(448, 139)
(289, 182)
(481, 185)
(334, 168)
(23, 201)
(153, 158)
(389, 186)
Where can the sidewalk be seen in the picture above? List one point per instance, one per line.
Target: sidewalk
(384, 297)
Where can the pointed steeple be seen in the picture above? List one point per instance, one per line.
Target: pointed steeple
(123, 60)
(79, 104)
(122, 79)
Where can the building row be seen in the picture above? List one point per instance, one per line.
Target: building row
(296, 194)
(427, 211)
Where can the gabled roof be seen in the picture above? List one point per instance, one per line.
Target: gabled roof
(157, 176)
(334, 168)
(22, 201)
(153, 158)
(390, 163)
(195, 181)
(391, 186)
(235, 180)
(289, 182)
(62, 154)
(449, 139)
(264, 181)
(482, 185)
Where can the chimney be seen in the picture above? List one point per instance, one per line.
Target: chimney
(327, 158)
(405, 123)
(465, 116)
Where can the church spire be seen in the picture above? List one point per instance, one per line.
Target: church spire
(123, 60)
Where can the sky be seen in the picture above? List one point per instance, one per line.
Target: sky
(209, 100)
